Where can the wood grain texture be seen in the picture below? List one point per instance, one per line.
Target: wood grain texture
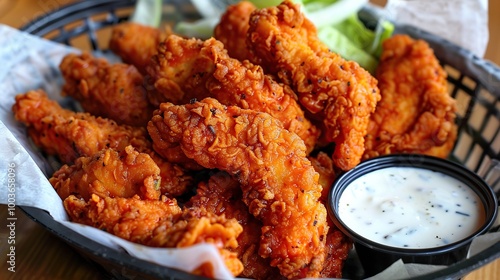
(38, 252)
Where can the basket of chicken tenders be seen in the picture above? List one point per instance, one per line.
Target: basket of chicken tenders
(188, 140)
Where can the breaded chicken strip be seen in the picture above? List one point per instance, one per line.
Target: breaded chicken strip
(338, 244)
(158, 223)
(180, 69)
(279, 184)
(221, 195)
(339, 94)
(416, 113)
(245, 85)
(109, 174)
(135, 43)
(130, 218)
(232, 30)
(70, 135)
(229, 81)
(197, 225)
(111, 91)
(323, 164)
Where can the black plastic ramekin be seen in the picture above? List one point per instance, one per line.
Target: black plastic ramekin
(375, 257)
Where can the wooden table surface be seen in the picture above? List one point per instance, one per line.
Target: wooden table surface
(40, 254)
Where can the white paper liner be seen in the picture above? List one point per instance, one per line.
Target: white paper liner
(463, 22)
(32, 63)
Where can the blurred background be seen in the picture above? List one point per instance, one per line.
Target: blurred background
(19, 13)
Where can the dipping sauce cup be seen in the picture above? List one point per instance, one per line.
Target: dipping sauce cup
(417, 208)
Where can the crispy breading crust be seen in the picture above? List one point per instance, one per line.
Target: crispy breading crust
(109, 173)
(70, 135)
(180, 69)
(339, 94)
(195, 69)
(135, 43)
(158, 223)
(113, 91)
(416, 113)
(221, 195)
(280, 186)
(232, 30)
(245, 85)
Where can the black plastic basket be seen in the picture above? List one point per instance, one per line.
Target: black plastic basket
(474, 82)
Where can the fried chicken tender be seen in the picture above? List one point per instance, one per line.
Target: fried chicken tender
(232, 30)
(200, 226)
(323, 164)
(231, 82)
(203, 226)
(112, 91)
(109, 174)
(338, 244)
(70, 135)
(135, 43)
(159, 223)
(416, 113)
(131, 218)
(179, 70)
(245, 85)
(279, 184)
(339, 94)
(222, 195)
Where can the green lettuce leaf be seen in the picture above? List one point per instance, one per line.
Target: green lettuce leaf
(147, 12)
(341, 43)
(353, 41)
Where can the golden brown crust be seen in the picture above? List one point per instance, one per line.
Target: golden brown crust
(222, 195)
(245, 85)
(338, 246)
(323, 164)
(180, 69)
(109, 174)
(113, 91)
(232, 30)
(70, 135)
(416, 113)
(338, 93)
(196, 69)
(158, 223)
(129, 218)
(280, 186)
(135, 43)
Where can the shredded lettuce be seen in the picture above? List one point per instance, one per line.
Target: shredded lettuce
(384, 30)
(328, 12)
(147, 12)
(341, 43)
(353, 41)
(265, 3)
(202, 28)
(315, 5)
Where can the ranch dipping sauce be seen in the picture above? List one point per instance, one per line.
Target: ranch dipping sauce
(410, 207)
